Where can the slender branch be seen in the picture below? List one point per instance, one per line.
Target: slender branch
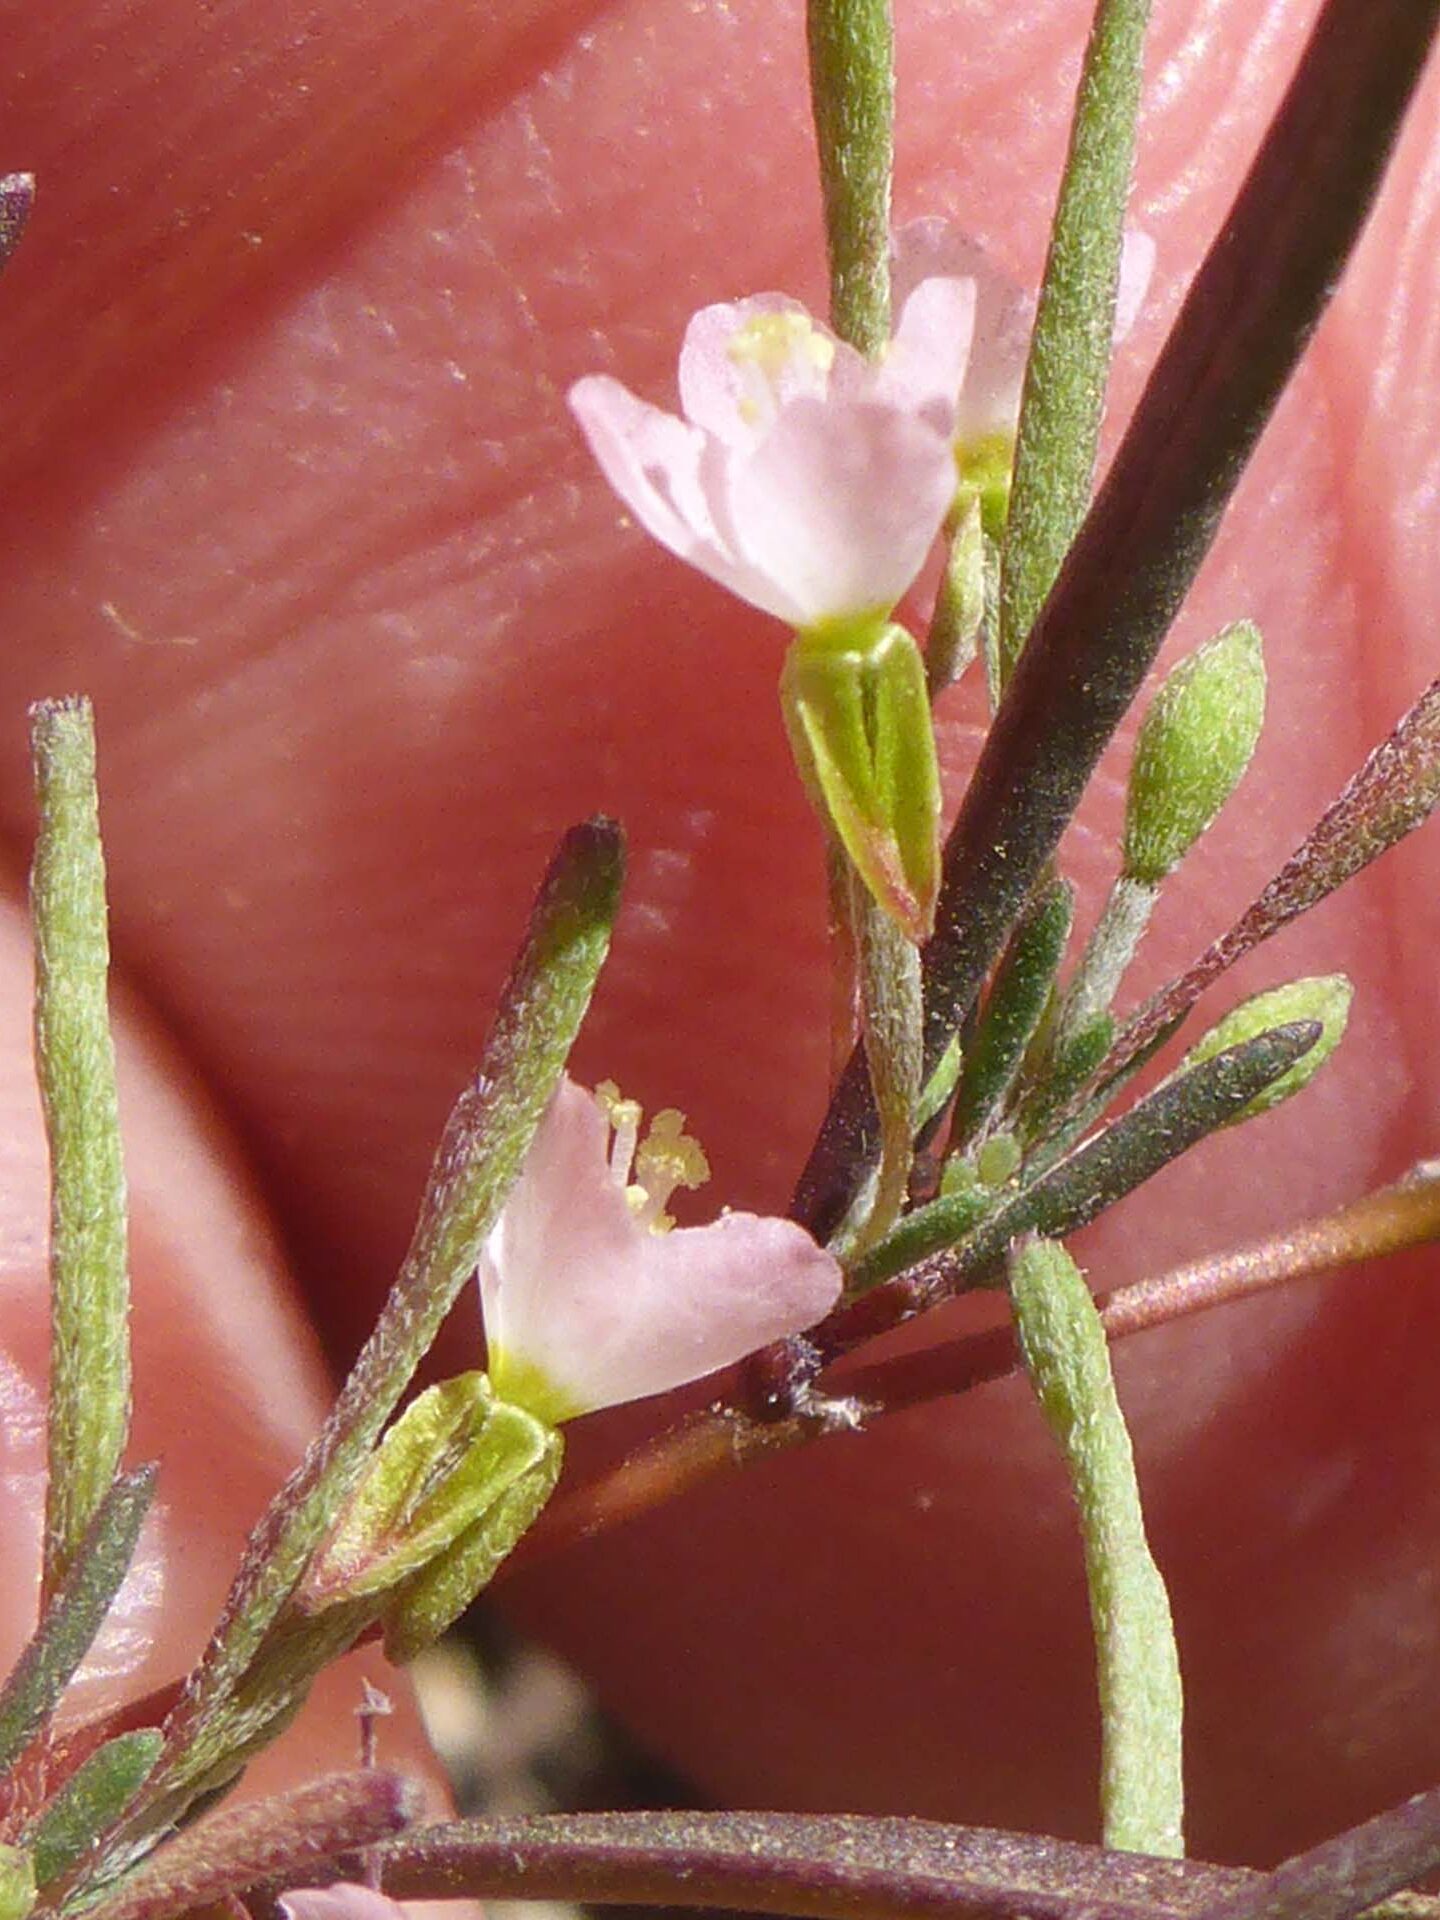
(1248, 316)
(1390, 1220)
(846, 1866)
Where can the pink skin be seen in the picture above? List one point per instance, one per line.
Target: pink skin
(293, 494)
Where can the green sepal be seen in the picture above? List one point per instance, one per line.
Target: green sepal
(858, 714)
(1194, 745)
(959, 612)
(1322, 997)
(423, 1608)
(440, 1471)
(17, 1883)
(90, 1801)
(985, 468)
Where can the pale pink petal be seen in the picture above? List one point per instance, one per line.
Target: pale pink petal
(661, 468)
(839, 507)
(925, 364)
(1137, 264)
(344, 1901)
(725, 395)
(690, 1302)
(604, 1310)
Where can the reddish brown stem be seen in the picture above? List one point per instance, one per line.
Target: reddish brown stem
(1387, 1221)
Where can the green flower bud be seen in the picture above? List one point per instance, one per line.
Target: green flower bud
(858, 715)
(442, 1470)
(1195, 744)
(1323, 997)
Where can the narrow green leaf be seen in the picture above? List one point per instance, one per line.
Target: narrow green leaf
(75, 1613)
(852, 91)
(1013, 1007)
(1077, 1053)
(1324, 998)
(95, 1795)
(1137, 1664)
(89, 1408)
(1130, 1151)
(1249, 313)
(480, 1153)
(285, 1841)
(1069, 363)
(943, 1223)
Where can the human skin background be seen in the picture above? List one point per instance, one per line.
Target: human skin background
(289, 489)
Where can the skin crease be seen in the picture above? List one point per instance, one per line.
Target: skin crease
(291, 492)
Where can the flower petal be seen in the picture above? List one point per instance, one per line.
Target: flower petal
(674, 479)
(602, 1310)
(346, 1900)
(651, 458)
(1004, 315)
(727, 394)
(839, 507)
(1137, 264)
(925, 365)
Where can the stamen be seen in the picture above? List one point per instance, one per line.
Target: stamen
(624, 1117)
(668, 1158)
(770, 342)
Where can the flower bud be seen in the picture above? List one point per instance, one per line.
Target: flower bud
(858, 714)
(1195, 744)
(441, 1471)
(1323, 997)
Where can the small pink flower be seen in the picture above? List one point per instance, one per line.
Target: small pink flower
(804, 478)
(591, 1296)
(346, 1900)
(1004, 315)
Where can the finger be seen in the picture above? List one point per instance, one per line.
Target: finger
(229, 1384)
(363, 632)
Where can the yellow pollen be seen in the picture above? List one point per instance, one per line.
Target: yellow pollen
(770, 341)
(667, 1158)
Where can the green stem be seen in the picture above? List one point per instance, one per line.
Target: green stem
(852, 87)
(891, 1023)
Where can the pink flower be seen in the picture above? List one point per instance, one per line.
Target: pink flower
(346, 1900)
(804, 478)
(989, 404)
(592, 1297)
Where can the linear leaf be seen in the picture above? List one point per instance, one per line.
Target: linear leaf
(89, 1406)
(75, 1613)
(1064, 397)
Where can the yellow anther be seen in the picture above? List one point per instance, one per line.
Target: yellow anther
(769, 342)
